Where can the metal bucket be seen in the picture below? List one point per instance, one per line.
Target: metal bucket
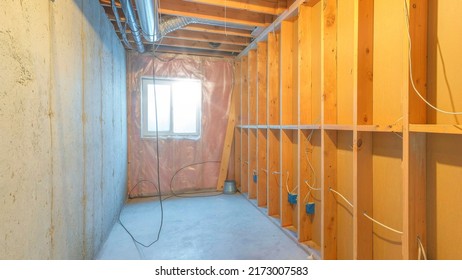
(229, 187)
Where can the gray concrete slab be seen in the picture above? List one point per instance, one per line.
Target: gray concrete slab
(203, 228)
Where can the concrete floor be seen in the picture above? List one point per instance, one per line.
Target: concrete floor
(200, 228)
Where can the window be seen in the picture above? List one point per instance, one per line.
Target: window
(178, 107)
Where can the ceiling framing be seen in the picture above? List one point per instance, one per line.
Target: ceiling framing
(246, 17)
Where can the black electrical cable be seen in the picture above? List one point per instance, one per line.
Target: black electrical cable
(158, 187)
(161, 221)
(192, 194)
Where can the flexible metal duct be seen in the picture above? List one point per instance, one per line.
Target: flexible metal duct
(148, 13)
(119, 24)
(176, 23)
(131, 21)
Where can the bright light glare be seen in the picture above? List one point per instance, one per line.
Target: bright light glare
(186, 103)
(163, 107)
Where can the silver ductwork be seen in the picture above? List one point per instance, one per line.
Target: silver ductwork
(131, 21)
(153, 30)
(175, 23)
(148, 13)
(119, 25)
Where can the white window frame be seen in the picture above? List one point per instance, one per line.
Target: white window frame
(145, 133)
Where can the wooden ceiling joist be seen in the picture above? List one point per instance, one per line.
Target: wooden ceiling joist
(244, 17)
(188, 9)
(177, 43)
(182, 50)
(218, 30)
(204, 28)
(205, 37)
(258, 6)
(199, 45)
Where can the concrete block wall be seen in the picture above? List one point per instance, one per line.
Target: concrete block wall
(63, 134)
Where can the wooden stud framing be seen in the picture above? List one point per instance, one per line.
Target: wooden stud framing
(273, 78)
(362, 195)
(253, 168)
(286, 73)
(414, 145)
(252, 87)
(262, 64)
(262, 168)
(289, 153)
(362, 148)
(304, 219)
(365, 61)
(228, 142)
(245, 160)
(237, 157)
(274, 169)
(329, 138)
(298, 81)
(304, 64)
(245, 90)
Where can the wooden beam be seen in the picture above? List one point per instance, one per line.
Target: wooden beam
(262, 74)
(274, 169)
(329, 138)
(199, 52)
(206, 37)
(274, 26)
(365, 61)
(258, 6)
(362, 195)
(362, 141)
(237, 158)
(253, 87)
(252, 187)
(304, 63)
(245, 90)
(198, 45)
(414, 145)
(188, 9)
(245, 160)
(233, 33)
(304, 71)
(436, 128)
(262, 168)
(289, 177)
(418, 12)
(228, 141)
(286, 73)
(273, 78)
(237, 137)
(218, 30)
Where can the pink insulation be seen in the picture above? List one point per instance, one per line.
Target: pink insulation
(175, 153)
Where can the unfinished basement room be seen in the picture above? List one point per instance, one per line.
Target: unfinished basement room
(230, 130)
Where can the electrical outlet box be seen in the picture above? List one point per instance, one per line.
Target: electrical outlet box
(309, 208)
(292, 198)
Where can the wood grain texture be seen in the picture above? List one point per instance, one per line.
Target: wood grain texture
(262, 75)
(274, 184)
(262, 168)
(273, 78)
(252, 84)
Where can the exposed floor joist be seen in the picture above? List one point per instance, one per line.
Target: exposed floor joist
(232, 23)
(259, 6)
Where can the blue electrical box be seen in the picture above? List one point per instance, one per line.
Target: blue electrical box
(309, 207)
(292, 198)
